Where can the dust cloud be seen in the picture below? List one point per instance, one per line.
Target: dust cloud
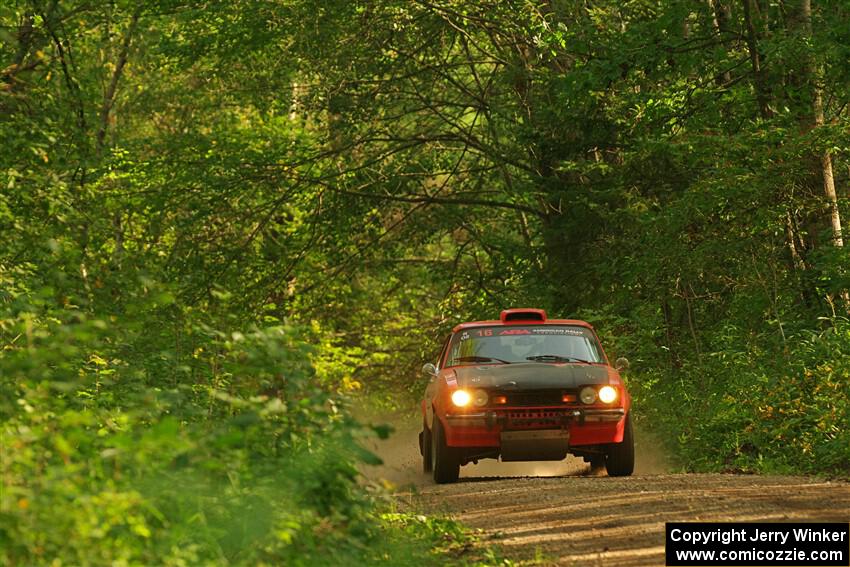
(650, 457)
(402, 463)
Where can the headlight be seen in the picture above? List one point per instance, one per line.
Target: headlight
(588, 395)
(479, 398)
(607, 394)
(461, 398)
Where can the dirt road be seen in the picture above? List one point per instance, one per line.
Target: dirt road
(581, 520)
(571, 517)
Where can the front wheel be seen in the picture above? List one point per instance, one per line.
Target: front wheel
(444, 459)
(620, 460)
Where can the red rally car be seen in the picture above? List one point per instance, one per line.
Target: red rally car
(525, 388)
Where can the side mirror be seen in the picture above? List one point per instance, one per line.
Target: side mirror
(621, 364)
(429, 369)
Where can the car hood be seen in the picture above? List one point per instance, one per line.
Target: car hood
(530, 376)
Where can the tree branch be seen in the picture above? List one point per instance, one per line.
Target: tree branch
(109, 95)
(428, 200)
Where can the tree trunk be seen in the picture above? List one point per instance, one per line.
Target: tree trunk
(721, 14)
(828, 177)
(751, 16)
(811, 116)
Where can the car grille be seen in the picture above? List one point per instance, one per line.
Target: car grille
(533, 398)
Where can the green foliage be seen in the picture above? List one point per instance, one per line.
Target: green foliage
(745, 409)
(223, 219)
(249, 462)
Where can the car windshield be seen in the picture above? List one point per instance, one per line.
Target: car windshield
(520, 343)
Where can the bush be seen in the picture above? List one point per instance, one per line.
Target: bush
(760, 408)
(119, 450)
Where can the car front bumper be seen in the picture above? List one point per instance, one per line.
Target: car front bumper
(586, 426)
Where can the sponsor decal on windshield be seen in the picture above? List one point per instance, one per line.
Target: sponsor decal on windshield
(573, 332)
(489, 332)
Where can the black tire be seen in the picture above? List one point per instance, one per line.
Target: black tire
(620, 460)
(444, 461)
(426, 448)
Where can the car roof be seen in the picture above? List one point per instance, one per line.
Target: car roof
(473, 324)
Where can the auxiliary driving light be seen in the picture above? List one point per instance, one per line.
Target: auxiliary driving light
(479, 398)
(461, 398)
(588, 395)
(607, 394)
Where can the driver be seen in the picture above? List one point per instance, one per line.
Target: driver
(523, 346)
